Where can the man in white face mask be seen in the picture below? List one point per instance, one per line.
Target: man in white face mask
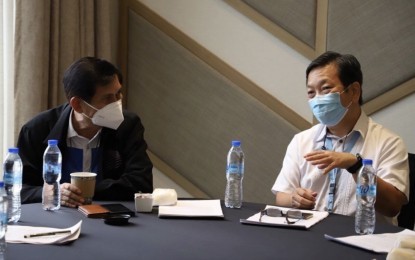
(320, 168)
(95, 135)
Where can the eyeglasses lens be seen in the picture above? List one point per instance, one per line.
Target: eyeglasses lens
(293, 214)
(275, 212)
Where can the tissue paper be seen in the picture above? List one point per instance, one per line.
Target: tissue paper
(164, 197)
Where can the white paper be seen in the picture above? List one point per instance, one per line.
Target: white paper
(15, 234)
(379, 243)
(281, 221)
(192, 208)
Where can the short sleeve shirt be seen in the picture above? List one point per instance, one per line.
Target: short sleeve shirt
(375, 142)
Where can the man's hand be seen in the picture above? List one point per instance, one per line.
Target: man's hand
(328, 160)
(71, 195)
(303, 198)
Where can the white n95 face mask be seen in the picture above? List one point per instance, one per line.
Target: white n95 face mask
(109, 116)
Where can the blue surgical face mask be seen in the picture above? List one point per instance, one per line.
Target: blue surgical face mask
(328, 108)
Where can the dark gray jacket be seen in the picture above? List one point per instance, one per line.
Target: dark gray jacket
(126, 167)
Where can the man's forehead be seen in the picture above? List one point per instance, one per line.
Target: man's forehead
(322, 75)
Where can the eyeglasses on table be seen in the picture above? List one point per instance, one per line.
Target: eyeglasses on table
(291, 216)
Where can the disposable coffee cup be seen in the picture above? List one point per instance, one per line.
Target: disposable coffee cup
(143, 202)
(85, 181)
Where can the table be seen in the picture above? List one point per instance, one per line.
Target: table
(149, 237)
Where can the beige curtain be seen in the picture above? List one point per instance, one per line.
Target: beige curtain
(49, 36)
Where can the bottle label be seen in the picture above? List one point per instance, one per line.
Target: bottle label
(3, 218)
(51, 173)
(234, 168)
(8, 178)
(366, 190)
(372, 190)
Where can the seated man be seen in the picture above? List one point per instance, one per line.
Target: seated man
(94, 134)
(332, 151)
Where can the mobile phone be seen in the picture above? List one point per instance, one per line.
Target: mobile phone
(117, 208)
(307, 215)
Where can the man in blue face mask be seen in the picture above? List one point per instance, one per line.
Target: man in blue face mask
(320, 168)
(94, 134)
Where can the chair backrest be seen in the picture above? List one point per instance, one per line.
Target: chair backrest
(406, 218)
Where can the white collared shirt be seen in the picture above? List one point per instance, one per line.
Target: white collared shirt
(86, 145)
(385, 148)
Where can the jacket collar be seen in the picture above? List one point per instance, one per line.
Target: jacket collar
(60, 129)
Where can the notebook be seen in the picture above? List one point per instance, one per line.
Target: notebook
(104, 210)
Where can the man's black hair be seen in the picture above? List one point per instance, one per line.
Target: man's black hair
(86, 74)
(348, 68)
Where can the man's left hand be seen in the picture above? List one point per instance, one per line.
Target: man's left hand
(328, 160)
(71, 195)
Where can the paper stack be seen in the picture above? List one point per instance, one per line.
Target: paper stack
(42, 235)
(317, 216)
(192, 208)
(379, 243)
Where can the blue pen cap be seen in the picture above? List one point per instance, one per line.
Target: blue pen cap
(52, 142)
(13, 150)
(236, 143)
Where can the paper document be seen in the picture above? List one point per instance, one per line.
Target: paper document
(42, 235)
(193, 208)
(379, 243)
(281, 221)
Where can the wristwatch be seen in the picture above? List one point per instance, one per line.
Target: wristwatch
(355, 167)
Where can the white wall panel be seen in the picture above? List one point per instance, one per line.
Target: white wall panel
(400, 118)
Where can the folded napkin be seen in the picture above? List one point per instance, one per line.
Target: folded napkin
(164, 197)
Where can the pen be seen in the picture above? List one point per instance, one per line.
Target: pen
(47, 234)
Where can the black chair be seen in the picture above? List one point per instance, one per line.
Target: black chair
(406, 218)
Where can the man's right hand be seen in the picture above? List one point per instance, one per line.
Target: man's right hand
(71, 195)
(303, 198)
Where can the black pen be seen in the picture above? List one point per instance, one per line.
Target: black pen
(47, 234)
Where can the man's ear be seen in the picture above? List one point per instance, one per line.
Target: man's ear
(75, 103)
(356, 88)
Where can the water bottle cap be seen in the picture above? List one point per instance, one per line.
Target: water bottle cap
(1, 184)
(13, 150)
(236, 143)
(367, 161)
(52, 142)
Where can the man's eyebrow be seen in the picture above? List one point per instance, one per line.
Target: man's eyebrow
(109, 95)
(319, 83)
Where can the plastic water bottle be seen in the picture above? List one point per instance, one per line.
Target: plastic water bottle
(12, 168)
(366, 197)
(234, 176)
(52, 171)
(3, 217)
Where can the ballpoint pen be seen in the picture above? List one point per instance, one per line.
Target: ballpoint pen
(47, 234)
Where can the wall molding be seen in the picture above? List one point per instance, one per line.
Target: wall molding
(285, 36)
(240, 80)
(127, 6)
(209, 58)
(374, 105)
(390, 97)
(178, 178)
